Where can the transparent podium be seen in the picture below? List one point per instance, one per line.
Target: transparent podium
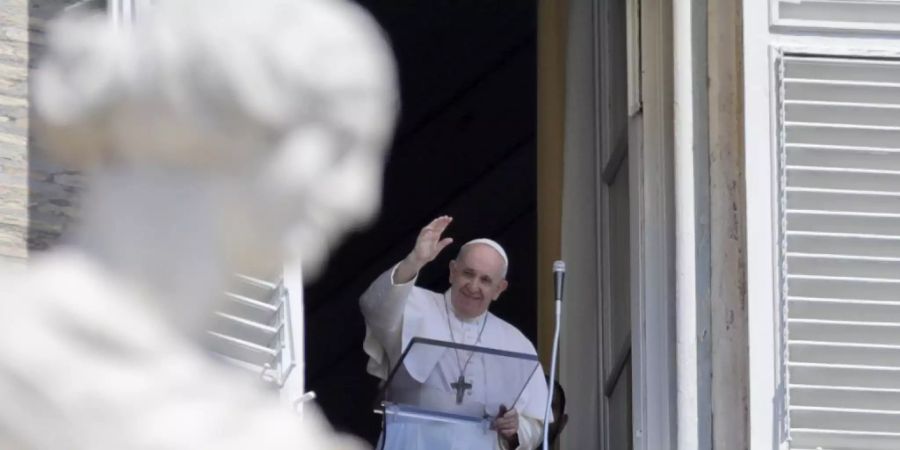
(444, 396)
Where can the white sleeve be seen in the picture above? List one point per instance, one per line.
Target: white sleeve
(382, 307)
(530, 433)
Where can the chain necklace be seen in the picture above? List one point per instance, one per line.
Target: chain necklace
(461, 385)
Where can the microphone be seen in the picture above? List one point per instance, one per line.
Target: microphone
(559, 278)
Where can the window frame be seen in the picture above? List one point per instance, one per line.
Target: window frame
(825, 25)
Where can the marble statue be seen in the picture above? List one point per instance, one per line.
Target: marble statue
(218, 136)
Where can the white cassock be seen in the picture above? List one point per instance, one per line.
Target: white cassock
(396, 313)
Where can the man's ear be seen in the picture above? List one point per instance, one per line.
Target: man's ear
(503, 285)
(562, 423)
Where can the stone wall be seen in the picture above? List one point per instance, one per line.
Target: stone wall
(38, 200)
(13, 130)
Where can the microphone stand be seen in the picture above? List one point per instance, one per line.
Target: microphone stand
(552, 386)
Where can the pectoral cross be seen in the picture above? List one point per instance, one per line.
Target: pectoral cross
(461, 387)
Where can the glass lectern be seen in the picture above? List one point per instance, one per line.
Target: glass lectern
(444, 395)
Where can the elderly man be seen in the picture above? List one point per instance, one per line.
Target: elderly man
(396, 311)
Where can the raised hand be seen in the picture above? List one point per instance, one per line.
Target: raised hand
(429, 245)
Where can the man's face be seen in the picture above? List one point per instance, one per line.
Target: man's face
(476, 279)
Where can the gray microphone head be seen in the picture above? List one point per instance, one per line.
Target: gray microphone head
(559, 266)
(559, 274)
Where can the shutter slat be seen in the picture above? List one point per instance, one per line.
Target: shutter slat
(795, 60)
(843, 288)
(838, 397)
(843, 265)
(877, 333)
(241, 306)
(843, 157)
(844, 244)
(850, 202)
(839, 222)
(825, 68)
(849, 398)
(243, 329)
(863, 148)
(844, 376)
(861, 114)
(858, 82)
(845, 354)
(241, 350)
(846, 419)
(838, 309)
(842, 136)
(843, 92)
(817, 439)
(845, 179)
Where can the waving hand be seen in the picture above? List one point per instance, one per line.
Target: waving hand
(429, 245)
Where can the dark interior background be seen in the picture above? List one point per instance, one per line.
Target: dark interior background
(465, 146)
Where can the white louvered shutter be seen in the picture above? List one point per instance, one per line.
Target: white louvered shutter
(839, 142)
(253, 329)
(870, 15)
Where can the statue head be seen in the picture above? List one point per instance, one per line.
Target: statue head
(281, 110)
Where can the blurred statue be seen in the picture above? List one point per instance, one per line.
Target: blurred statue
(219, 136)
